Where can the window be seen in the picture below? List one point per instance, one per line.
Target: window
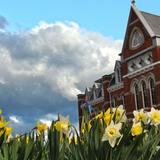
(91, 97)
(144, 94)
(152, 90)
(98, 92)
(136, 96)
(118, 75)
(137, 38)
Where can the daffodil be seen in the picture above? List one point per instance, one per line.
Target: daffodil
(136, 129)
(41, 127)
(62, 125)
(99, 116)
(18, 137)
(119, 114)
(73, 139)
(112, 133)
(154, 116)
(3, 123)
(140, 116)
(108, 116)
(27, 139)
(86, 126)
(89, 125)
(8, 131)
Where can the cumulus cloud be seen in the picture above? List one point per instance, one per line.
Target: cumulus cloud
(3, 22)
(44, 68)
(62, 55)
(15, 119)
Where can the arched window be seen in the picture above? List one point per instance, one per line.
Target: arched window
(144, 94)
(136, 96)
(152, 90)
(137, 38)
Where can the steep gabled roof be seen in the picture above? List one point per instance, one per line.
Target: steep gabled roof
(97, 85)
(143, 20)
(149, 21)
(117, 64)
(153, 21)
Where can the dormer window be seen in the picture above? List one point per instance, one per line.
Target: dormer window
(136, 39)
(117, 71)
(91, 97)
(97, 90)
(99, 93)
(89, 94)
(118, 75)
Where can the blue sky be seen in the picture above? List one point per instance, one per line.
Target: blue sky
(51, 50)
(107, 17)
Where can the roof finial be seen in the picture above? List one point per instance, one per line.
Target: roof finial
(133, 2)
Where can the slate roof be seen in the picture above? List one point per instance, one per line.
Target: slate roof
(112, 82)
(153, 21)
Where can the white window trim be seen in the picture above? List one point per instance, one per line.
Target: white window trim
(131, 38)
(150, 91)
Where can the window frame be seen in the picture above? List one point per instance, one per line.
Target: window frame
(136, 29)
(152, 96)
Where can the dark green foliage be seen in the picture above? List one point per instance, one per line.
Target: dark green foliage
(55, 145)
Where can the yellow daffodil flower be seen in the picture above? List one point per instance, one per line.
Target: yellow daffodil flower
(8, 131)
(18, 137)
(99, 116)
(112, 133)
(108, 116)
(27, 139)
(41, 127)
(154, 116)
(62, 125)
(119, 114)
(86, 126)
(89, 125)
(73, 139)
(3, 123)
(140, 116)
(136, 129)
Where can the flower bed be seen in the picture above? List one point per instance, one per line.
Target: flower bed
(108, 136)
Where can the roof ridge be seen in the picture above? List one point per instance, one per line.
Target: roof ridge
(150, 13)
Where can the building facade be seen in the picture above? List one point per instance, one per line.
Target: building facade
(135, 82)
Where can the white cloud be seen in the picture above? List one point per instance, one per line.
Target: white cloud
(63, 55)
(15, 119)
(43, 69)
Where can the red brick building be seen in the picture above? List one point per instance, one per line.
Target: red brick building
(135, 82)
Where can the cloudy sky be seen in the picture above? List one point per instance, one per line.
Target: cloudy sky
(50, 52)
